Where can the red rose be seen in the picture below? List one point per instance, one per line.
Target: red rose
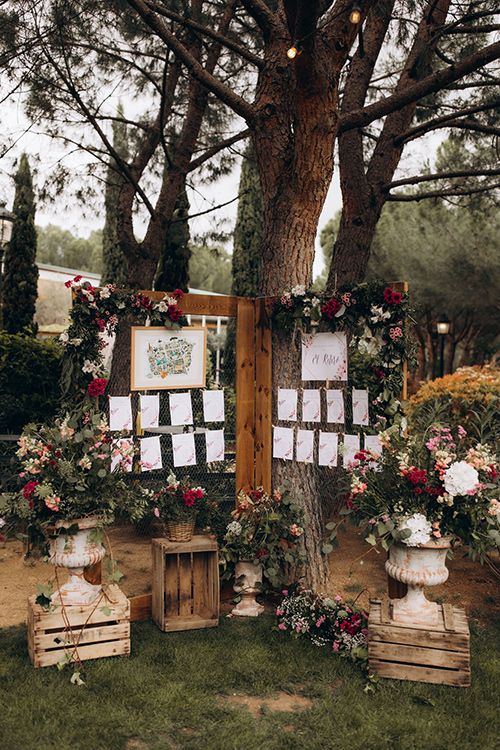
(492, 472)
(417, 476)
(331, 308)
(101, 324)
(97, 386)
(29, 489)
(360, 456)
(178, 293)
(256, 494)
(418, 490)
(198, 493)
(262, 553)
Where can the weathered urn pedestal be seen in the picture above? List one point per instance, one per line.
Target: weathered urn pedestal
(424, 565)
(248, 576)
(76, 551)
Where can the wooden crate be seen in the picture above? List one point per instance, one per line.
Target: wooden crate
(185, 592)
(439, 654)
(50, 640)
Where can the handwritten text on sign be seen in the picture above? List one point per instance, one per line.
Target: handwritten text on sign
(324, 356)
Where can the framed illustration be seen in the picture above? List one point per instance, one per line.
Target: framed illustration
(167, 358)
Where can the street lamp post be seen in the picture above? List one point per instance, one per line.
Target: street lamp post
(6, 223)
(443, 329)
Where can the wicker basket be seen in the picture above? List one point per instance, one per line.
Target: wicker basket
(180, 532)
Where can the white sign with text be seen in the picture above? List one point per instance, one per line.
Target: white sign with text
(324, 356)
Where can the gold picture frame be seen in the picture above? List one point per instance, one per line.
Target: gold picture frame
(166, 358)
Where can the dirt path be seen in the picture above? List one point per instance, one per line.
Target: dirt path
(356, 570)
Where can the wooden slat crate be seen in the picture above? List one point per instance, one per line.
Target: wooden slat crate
(440, 654)
(185, 592)
(50, 640)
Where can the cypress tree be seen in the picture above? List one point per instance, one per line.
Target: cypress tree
(20, 270)
(114, 264)
(247, 244)
(173, 266)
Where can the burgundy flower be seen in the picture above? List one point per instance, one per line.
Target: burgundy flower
(178, 293)
(331, 308)
(29, 489)
(174, 313)
(97, 386)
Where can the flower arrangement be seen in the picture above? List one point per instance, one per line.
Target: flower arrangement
(374, 315)
(265, 529)
(97, 311)
(424, 488)
(324, 621)
(71, 469)
(178, 502)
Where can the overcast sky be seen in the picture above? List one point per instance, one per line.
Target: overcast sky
(81, 219)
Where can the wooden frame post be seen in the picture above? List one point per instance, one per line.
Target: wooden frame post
(263, 396)
(245, 394)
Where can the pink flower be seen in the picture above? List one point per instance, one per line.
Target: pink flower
(279, 612)
(52, 502)
(285, 592)
(157, 512)
(335, 646)
(395, 333)
(282, 626)
(461, 431)
(338, 598)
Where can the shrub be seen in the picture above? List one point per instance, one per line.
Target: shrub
(469, 397)
(29, 380)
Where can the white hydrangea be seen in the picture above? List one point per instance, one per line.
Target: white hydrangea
(460, 478)
(234, 528)
(421, 529)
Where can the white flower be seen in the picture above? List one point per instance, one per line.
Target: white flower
(75, 341)
(421, 529)
(64, 338)
(91, 368)
(172, 480)
(234, 528)
(120, 305)
(299, 290)
(460, 478)
(105, 292)
(161, 306)
(379, 314)
(2, 523)
(370, 344)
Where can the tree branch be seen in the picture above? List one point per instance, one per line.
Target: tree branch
(213, 150)
(443, 121)
(206, 31)
(404, 197)
(263, 16)
(428, 85)
(417, 179)
(213, 84)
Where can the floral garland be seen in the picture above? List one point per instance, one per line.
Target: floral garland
(375, 317)
(97, 311)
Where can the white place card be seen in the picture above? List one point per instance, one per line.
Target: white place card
(151, 453)
(150, 411)
(118, 461)
(373, 444)
(335, 412)
(360, 406)
(283, 443)
(213, 406)
(305, 446)
(287, 404)
(351, 447)
(311, 405)
(120, 413)
(328, 448)
(324, 356)
(181, 410)
(214, 440)
(184, 449)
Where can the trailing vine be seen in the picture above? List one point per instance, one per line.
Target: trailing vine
(375, 318)
(95, 315)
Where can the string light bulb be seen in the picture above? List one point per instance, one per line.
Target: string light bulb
(294, 51)
(355, 15)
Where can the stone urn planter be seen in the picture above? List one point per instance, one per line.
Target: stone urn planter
(76, 552)
(248, 576)
(420, 566)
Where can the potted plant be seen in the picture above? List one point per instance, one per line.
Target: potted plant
(177, 505)
(421, 497)
(262, 541)
(71, 487)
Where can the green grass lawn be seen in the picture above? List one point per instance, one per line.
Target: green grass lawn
(168, 695)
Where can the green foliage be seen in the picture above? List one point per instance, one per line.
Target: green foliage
(173, 266)
(247, 658)
(114, 264)
(59, 247)
(29, 380)
(469, 397)
(20, 276)
(210, 269)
